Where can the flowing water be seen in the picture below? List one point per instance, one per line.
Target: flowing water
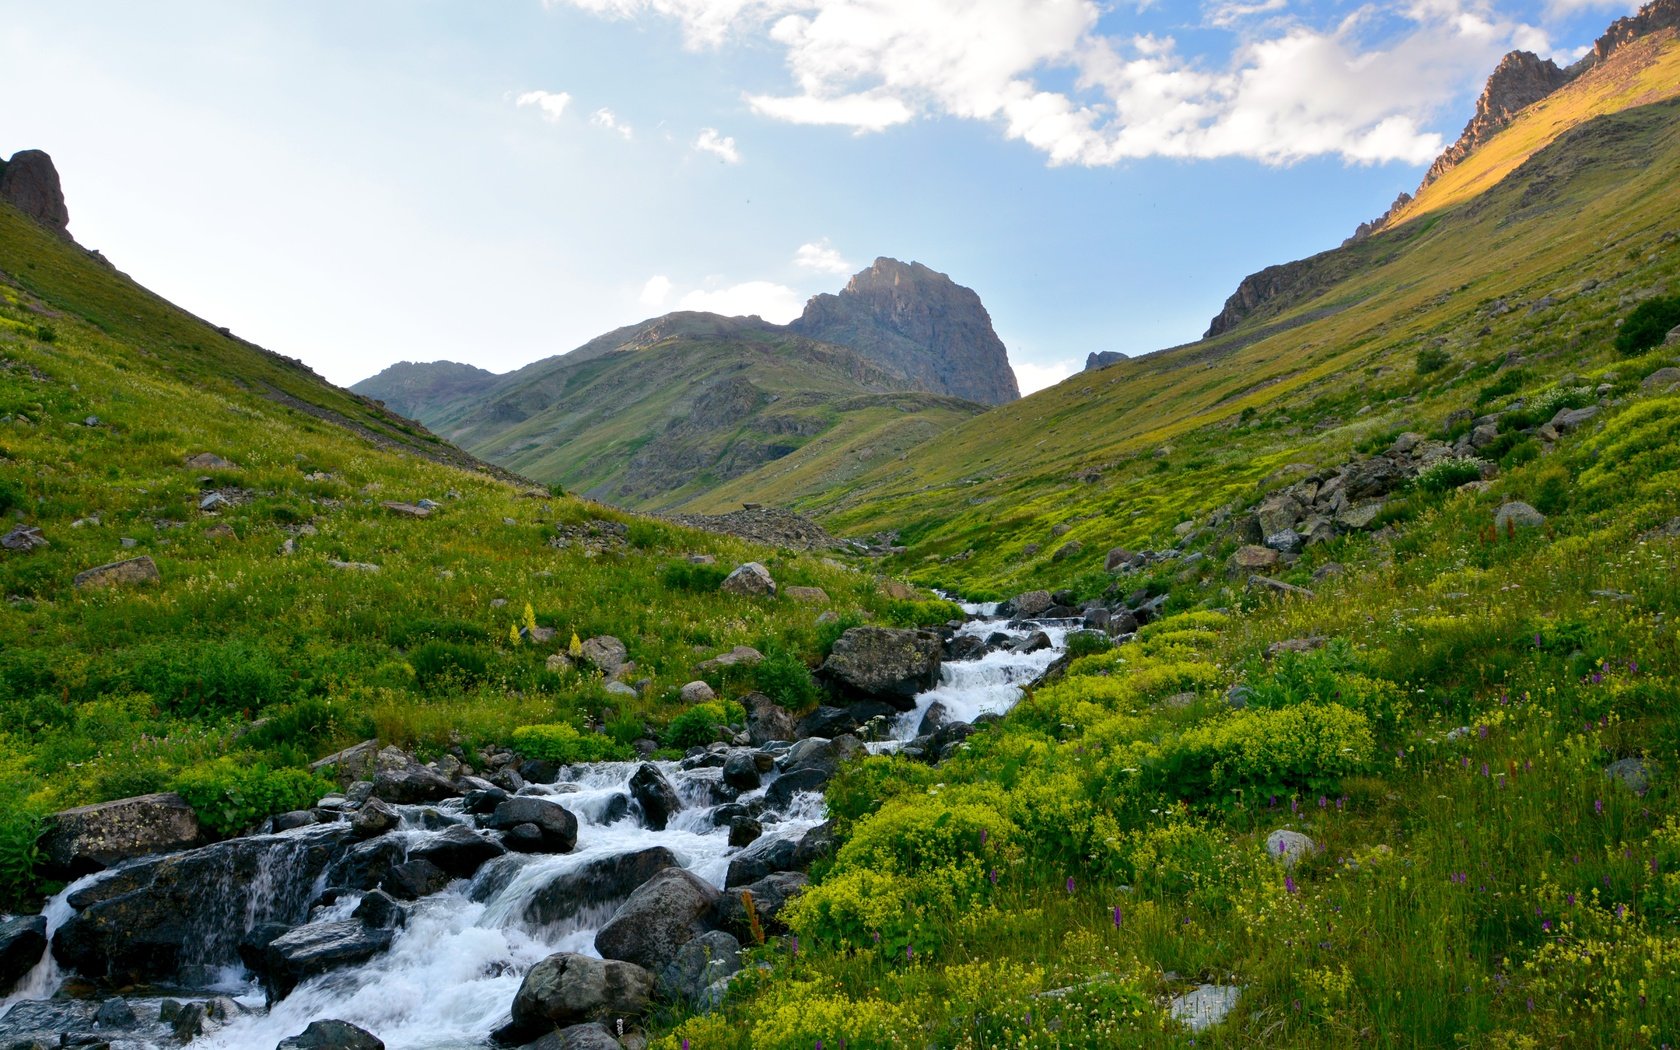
(452, 970)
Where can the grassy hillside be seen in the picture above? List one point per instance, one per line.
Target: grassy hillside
(696, 401)
(1475, 305)
(269, 640)
(1644, 71)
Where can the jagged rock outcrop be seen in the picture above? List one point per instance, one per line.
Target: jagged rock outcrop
(919, 323)
(29, 183)
(1653, 17)
(1102, 359)
(1257, 289)
(1521, 79)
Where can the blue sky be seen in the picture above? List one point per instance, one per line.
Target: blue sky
(496, 181)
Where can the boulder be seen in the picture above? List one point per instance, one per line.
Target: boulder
(1373, 477)
(781, 790)
(413, 879)
(609, 880)
(1662, 378)
(744, 831)
(606, 654)
(1267, 585)
(1517, 515)
(1630, 772)
(741, 771)
(655, 795)
(29, 183)
(332, 1035)
(706, 959)
(402, 780)
(1568, 419)
(317, 948)
(767, 720)
(806, 594)
(1286, 541)
(567, 988)
(769, 895)
(373, 819)
(591, 1036)
(1026, 605)
(1070, 549)
(23, 941)
(740, 656)
(1117, 558)
(1250, 558)
(365, 865)
(120, 573)
(351, 764)
(1289, 848)
(1204, 1005)
(556, 825)
(751, 579)
(665, 913)
(458, 850)
(884, 663)
(764, 857)
(91, 838)
(1032, 643)
(380, 911)
(406, 510)
(1360, 516)
(116, 1013)
(696, 693)
(23, 538)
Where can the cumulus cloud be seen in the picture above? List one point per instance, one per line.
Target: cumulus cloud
(1032, 376)
(775, 303)
(656, 291)
(720, 146)
(822, 257)
(1365, 87)
(605, 118)
(551, 104)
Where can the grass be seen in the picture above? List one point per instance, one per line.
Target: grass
(244, 658)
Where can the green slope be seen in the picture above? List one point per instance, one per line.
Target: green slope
(1526, 281)
(679, 406)
(263, 644)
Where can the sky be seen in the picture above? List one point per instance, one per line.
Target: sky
(497, 181)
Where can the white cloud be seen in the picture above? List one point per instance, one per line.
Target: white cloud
(605, 118)
(1031, 376)
(552, 104)
(775, 303)
(720, 146)
(656, 291)
(821, 257)
(1365, 88)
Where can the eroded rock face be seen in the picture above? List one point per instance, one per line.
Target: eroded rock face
(919, 323)
(29, 183)
(91, 838)
(22, 943)
(884, 663)
(1521, 79)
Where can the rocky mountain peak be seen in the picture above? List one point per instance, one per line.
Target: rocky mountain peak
(1521, 79)
(1653, 17)
(917, 322)
(29, 183)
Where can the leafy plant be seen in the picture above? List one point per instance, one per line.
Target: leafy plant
(784, 678)
(441, 664)
(699, 725)
(1432, 359)
(562, 742)
(1448, 474)
(230, 795)
(1648, 324)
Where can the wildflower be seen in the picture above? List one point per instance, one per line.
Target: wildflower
(793, 945)
(909, 953)
(1598, 806)
(877, 936)
(1117, 916)
(1621, 910)
(1484, 769)
(1323, 802)
(983, 836)
(1571, 899)
(1289, 883)
(993, 876)
(1070, 884)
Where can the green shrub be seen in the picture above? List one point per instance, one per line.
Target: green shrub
(1449, 474)
(231, 794)
(562, 742)
(197, 678)
(46, 333)
(1306, 746)
(699, 725)
(687, 576)
(1432, 359)
(11, 495)
(440, 664)
(1506, 385)
(1088, 643)
(407, 631)
(1648, 324)
(784, 678)
(645, 535)
(921, 614)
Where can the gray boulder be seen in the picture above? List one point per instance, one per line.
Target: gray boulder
(1029, 603)
(1630, 772)
(567, 989)
(741, 771)
(332, 1035)
(591, 1036)
(655, 795)
(403, 781)
(91, 838)
(705, 960)
(458, 850)
(781, 790)
(763, 857)
(606, 654)
(884, 663)
(557, 827)
(120, 573)
(769, 895)
(767, 720)
(665, 913)
(751, 579)
(1289, 848)
(608, 880)
(317, 948)
(375, 818)
(1519, 515)
(23, 941)
(413, 879)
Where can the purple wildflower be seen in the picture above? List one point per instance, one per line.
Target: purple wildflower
(984, 835)
(1117, 916)
(1323, 802)
(909, 953)
(1598, 806)
(1289, 883)
(1070, 884)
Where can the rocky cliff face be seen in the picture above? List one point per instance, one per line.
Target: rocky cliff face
(1655, 16)
(918, 323)
(1102, 359)
(1521, 79)
(29, 183)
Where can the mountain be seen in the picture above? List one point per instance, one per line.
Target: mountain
(1522, 283)
(661, 413)
(422, 391)
(920, 324)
